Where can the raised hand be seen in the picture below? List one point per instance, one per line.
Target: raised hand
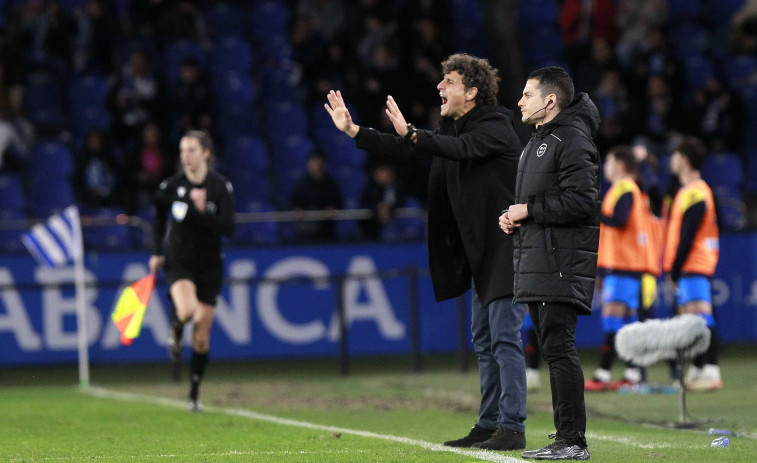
(395, 115)
(339, 113)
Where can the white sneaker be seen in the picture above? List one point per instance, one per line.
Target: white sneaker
(692, 374)
(533, 381)
(708, 380)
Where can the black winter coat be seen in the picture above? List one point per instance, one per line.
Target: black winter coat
(472, 178)
(555, 254)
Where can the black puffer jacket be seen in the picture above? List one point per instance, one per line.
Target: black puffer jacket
(555, 254)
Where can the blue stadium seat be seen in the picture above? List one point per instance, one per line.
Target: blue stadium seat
(732, 213)
(250, 187)
(175, 53)
(739, 70)
(286, 118)
(15, 226)
(720, 12)
(43, 99)
(723, 170)
(534, 13)
(232, 54)
(268, 18)
(224, 19)
(88, 92)
(49, 195)
(50, 159)
(349, 230)
(291, 151)
(237, 120)
(341, 150)
(277, 82)
(285, 178)
(406, 228)
(245, 154)
(351, 179)
(536, 54)
(234, 88)
(11, 193)
(115, 236)
(261, 233)
(685, 11)
(689, 39)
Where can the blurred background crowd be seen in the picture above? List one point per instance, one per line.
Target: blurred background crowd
(95, 94)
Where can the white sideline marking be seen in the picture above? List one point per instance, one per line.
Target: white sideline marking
(132, 397)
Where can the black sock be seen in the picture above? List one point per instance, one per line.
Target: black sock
(178, 329)
(698, 361)
(712, 352)
(196, 370)
(608, 351)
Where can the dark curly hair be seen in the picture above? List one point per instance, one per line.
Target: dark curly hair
(476, 72)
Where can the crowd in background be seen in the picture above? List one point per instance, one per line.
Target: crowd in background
(104, 79)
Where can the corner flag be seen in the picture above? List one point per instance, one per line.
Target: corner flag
(58, 241)
(130, 308)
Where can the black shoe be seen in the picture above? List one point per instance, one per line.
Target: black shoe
(503, 439)
(560, 449)
(476, 434)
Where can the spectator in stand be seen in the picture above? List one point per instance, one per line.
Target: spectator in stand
(317, 190)
(39, 30)
(137, 99)
(97, 173)
(146, 167)
(16, 140)
(589, 71)
(661, 120)
(581, 22)
(383, 193)
(191, 101)
(661, 62)
(380, 77)
(718, 116)
(93, 38)
(613, 102)
(635, 18)
(327, 16)
(744, 28)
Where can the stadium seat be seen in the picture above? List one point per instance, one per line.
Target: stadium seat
(234, 88)
(250, 187)
(11, 193)
(349, 230)
(111, 236)
(49, 195)
(406, 228)
(534, 13)
(286, 118)
(50, 159)
(341, 150)
(261, 233)
(739, 70)
(291, 151)
(723, 170)
(43, 99)
(268, 18)
(245, 154)
(175, 53)
(224, 19)
(685, 11)
(13, 225)
(232, 54)
(237, 120)
(351, 179)
(689, 39)
(88, 92)
(698, 69)
(720, 12)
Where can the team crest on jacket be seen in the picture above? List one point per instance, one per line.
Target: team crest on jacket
(179, 210)
(542, 149)
(181, 191)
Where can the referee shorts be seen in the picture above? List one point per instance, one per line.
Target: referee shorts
(206, 276)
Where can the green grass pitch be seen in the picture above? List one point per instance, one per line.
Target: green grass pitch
(304, 411)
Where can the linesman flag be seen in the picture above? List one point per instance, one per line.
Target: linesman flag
(130, 308)
(58, 241)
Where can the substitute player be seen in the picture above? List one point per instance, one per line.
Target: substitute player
(622, 259)
(200, 204)
(691, 254)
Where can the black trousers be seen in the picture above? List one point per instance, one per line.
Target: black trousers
(555, 325)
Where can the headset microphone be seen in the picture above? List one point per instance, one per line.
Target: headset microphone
(534, 113)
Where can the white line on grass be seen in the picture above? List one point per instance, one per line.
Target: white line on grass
(132, 397)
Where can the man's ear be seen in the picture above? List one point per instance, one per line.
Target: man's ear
(471, 93)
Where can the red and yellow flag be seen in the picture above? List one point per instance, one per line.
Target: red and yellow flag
(131, 306)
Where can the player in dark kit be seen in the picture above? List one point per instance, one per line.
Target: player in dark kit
(201, 207)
